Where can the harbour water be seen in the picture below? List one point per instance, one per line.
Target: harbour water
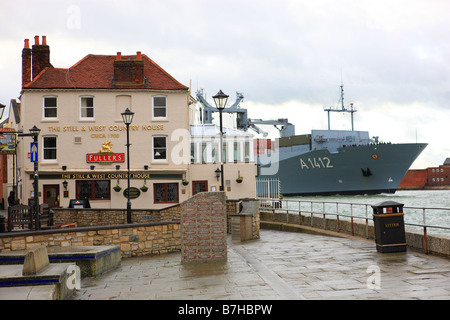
(414, 201)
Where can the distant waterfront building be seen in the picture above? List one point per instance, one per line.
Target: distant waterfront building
(430, 178)
(81, 147)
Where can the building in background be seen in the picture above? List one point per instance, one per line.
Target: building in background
(82, 142)
(430, 178)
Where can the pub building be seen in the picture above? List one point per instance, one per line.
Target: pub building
(82, 151)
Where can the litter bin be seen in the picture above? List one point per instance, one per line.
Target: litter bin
(389, 227)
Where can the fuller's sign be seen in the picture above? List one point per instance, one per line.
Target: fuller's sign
(105, 158)
(105, 155)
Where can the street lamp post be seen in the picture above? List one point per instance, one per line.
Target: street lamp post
(35, 132)
(220, 99)
(127, 117)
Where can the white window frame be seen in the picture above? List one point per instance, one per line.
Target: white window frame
(153, 149)
(43, 149)
(43, 108)
(159, 118)
(81, 108)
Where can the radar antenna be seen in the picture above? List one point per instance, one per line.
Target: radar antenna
(342, 109)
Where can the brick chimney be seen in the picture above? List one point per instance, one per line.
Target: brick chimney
(40, 56)
(26, 63)
(129, 71)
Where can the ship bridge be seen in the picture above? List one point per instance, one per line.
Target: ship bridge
(334, 139)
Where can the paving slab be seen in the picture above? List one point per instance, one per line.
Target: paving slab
(47, 292)
(279, 266)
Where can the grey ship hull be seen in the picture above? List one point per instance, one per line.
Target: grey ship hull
(354, 170)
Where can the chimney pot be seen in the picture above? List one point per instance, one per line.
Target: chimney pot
(119, 55)
(40, 56)
(139, 56)
(27, 44)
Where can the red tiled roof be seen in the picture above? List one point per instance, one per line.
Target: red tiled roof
(97, 72)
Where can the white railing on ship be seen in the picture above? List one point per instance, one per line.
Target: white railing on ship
(347, 210)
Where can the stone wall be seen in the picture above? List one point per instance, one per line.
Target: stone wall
(152, 231)
(233, 209)
(134, 239)
(105, 217)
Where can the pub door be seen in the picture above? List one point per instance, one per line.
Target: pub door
(51, 195)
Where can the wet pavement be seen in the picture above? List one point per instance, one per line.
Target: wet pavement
(279, 266)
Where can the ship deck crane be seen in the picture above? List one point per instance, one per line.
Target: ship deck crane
(206, 115)
(242, 121)
(287, 129)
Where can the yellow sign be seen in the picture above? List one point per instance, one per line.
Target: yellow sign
(103, 131)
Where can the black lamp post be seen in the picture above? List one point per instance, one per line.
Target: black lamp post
(35, 134)
(220, 99)
(127, 117)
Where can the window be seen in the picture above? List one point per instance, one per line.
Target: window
(204, 152)
(247, 151)
(199, 186)
(50, 107)
(237, 152)
(166, 192)
(87, 108)
(159, 148)
(224, 153)
(192, 152)
(215, 152)
(93, 189)
(159, 107)
(49, 148)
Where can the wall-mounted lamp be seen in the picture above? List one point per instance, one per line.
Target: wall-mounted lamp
(146, 167)
(65, 183)
(92, 167)
(117, 167)
(64, 168)
(218, 172)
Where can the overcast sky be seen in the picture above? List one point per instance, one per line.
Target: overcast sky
(288, 57)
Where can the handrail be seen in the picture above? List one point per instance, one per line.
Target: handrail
(311, 207)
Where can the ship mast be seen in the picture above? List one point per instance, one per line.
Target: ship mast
(343, 109)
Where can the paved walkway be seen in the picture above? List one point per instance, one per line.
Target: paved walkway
(279, 266)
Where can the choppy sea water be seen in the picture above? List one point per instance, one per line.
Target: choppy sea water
(434, 201)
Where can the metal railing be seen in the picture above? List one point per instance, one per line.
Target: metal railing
(352, 211)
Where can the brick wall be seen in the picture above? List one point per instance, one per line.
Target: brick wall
(204, 227)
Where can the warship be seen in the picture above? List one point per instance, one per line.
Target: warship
(329, 162)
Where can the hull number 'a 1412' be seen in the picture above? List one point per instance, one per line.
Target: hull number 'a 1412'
(313, 163)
